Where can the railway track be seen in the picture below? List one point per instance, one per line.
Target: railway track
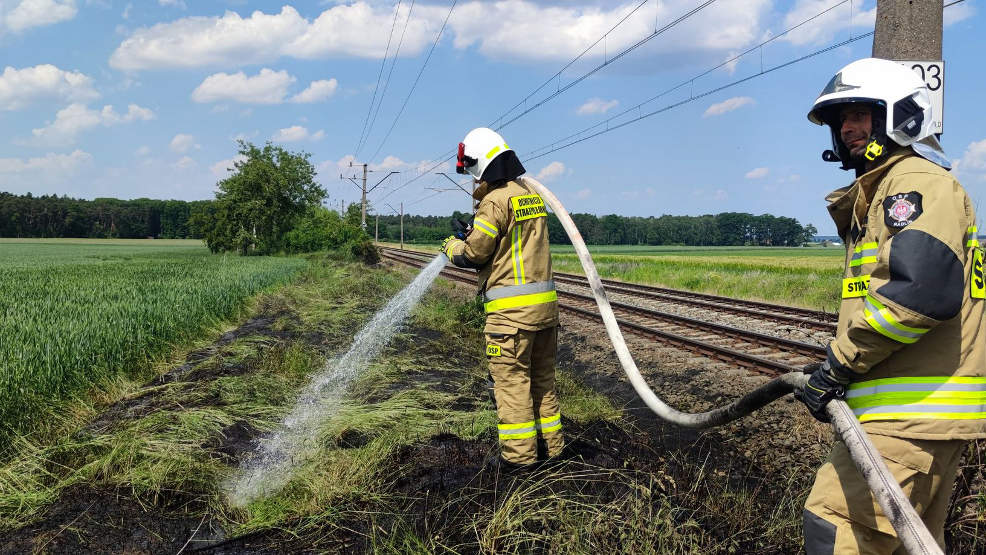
(755, 351)
(788, 315)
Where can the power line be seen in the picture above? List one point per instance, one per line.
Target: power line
(416, 79)
(383, 64)
(390, 74)
(639, 107)
(609, 61)
(442, 158)
(693, 98)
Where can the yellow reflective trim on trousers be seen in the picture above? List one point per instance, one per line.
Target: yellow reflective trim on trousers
(521, 435)
(485, 227)
(519, 426)
(521, 300)
(972, 243)
(550, 424)
(921, 415)
(522, 430)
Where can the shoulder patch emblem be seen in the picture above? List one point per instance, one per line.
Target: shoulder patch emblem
(902, 209)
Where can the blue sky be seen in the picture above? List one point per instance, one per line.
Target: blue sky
(146, 99)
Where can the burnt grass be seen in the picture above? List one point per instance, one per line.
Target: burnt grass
(436, 489)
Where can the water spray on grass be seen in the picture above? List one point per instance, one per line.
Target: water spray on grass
(272, 466)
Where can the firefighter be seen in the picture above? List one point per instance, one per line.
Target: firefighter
(508, 245)
(908, 355)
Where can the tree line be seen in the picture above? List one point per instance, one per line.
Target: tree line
(725, 229)
(51, 216)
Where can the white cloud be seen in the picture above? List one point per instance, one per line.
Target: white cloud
(728, 105)
(175, 3)
(22, 87)
(389, 164)
(77, 118)
(826, 27)
(757, 173)
(142, 151)
(974, 158)
(223, 168)
(551, 171)
(596, 106)
(361, 30)
(957, 13)
(297, 133)
(126, 10)
(182, 143)
(50, 163)
(316, 92)
(267, 87)
(36, 13)
(724, 26)
(583, 194)
(232, 40)
(185, 163)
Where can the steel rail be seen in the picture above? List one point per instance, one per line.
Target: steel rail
(745, 360)
(815, 319)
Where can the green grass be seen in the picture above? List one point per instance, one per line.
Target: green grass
(79, 313)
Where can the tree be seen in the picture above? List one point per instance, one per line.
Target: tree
(270, 189)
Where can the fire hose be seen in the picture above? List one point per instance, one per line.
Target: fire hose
(911, 531)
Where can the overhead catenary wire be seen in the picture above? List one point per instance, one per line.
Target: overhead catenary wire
(390, 74)
(552, 148)
(445, 157)
(415, 84)
(548, 149)
(383, 64)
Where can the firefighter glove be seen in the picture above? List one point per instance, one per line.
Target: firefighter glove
(824, 385)
(447, 243)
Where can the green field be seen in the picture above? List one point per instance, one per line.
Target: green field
(807, 277)
(77, 313)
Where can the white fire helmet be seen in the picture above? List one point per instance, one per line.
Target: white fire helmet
(480, 147)
(901, 105)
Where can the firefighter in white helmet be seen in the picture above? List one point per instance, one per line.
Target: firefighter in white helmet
(508, 245)
(909, 355)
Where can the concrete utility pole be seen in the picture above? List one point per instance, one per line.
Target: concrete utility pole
(908, 30)
(363, 190)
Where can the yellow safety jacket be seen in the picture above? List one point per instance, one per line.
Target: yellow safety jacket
(911, 326)
(508, 245)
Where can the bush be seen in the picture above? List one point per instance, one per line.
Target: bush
(321, 229)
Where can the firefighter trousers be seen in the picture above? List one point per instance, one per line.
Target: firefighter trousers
(522, 364)
(841, 515)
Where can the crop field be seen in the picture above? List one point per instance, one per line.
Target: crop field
(79, 313)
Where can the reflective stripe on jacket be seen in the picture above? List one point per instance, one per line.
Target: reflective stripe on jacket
(911, 320)
(509, 247)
